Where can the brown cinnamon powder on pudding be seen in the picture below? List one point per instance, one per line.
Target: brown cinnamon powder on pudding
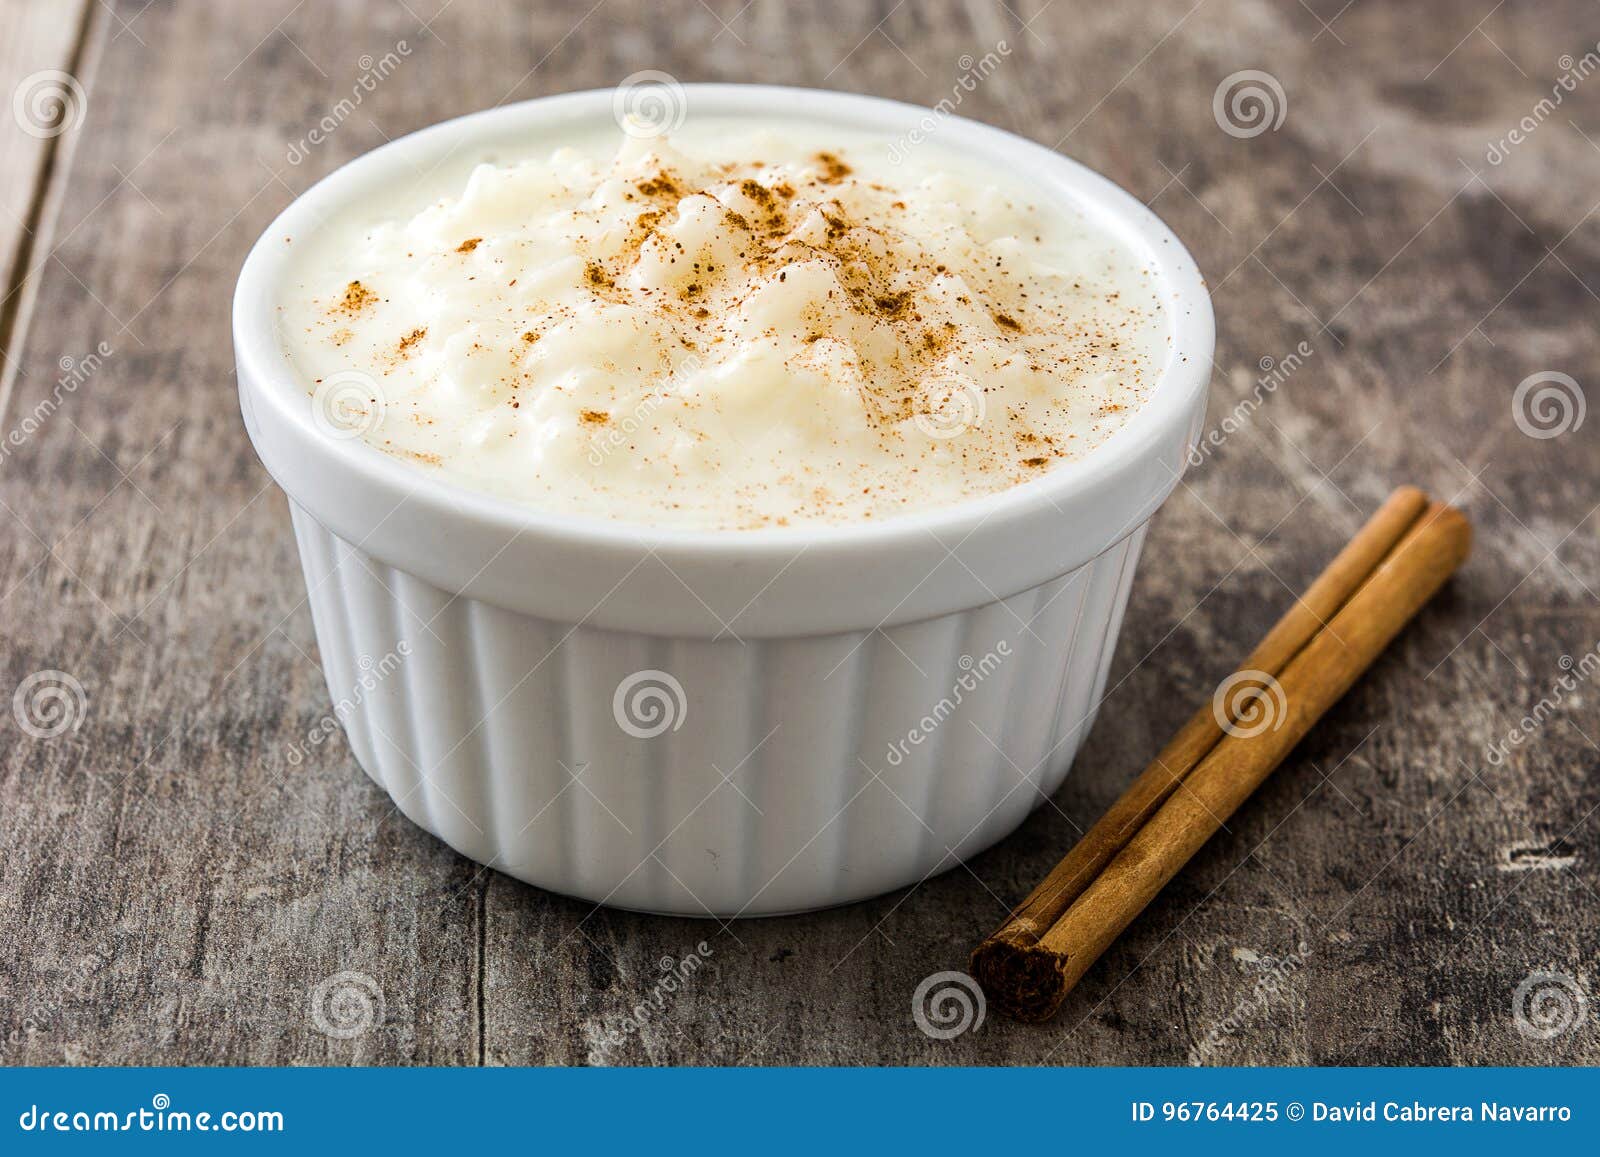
(661, 185)
(920, 339)
(356, 298)
(833, 169)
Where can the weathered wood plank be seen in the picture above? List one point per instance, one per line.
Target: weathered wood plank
(174, 888)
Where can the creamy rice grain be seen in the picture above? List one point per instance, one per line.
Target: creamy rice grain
(735, 328)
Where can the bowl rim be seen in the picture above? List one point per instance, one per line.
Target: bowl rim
(264, 365)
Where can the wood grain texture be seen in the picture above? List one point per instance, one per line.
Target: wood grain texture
(172, 889)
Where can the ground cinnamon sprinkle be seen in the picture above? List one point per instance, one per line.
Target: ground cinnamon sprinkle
(426, 457)
(938, 348)
(892, 304)
(356, 298)
(661, 185)
(833, 169)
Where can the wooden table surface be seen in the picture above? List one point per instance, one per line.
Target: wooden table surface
(173, 890)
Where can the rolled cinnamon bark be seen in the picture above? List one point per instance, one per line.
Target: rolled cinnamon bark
(1334, 632)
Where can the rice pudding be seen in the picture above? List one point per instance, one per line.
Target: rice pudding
(734, 326)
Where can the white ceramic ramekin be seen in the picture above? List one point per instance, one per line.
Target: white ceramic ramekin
(716, 723)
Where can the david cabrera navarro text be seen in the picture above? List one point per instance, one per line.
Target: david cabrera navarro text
(1416, 1111)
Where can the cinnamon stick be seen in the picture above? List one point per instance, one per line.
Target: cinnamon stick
(1048, 902)
(1309, 659)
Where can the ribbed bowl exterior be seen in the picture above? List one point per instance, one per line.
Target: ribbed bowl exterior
(711, 777)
